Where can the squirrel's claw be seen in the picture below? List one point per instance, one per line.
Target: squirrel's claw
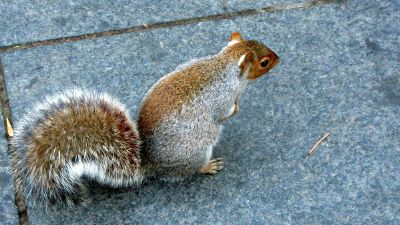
(213, 166)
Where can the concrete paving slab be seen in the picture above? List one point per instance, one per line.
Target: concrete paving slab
(338, 74)
(8, 210)
(25, 21)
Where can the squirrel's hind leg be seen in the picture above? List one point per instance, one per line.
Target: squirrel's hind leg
(212, 166)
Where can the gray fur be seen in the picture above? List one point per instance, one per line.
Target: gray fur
(181, 144)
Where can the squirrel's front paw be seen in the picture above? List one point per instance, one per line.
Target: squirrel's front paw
(213, 166)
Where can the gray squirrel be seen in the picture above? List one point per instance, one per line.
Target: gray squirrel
(82, 134)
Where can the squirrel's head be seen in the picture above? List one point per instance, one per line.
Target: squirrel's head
(255, 59)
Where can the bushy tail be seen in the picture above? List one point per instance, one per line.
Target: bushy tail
(73, 137)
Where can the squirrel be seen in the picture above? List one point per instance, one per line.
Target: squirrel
(81, 135)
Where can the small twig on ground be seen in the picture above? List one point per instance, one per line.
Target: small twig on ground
(315, 146)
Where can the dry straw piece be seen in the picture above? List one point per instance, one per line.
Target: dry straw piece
(10, 130)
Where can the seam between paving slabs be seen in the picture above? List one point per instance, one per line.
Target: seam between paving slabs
(6, 112)
(168, 24)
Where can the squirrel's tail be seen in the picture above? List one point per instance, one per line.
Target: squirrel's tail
(73, 137)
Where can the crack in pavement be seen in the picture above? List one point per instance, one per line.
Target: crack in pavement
(168, 24)
(18, 189)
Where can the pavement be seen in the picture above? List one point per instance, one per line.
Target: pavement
(8, 211)
(339, 73)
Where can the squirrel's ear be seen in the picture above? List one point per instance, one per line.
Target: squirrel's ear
(235, 38)
(246, 60)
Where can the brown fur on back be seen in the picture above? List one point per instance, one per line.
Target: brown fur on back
(176, 89)
(181, 86)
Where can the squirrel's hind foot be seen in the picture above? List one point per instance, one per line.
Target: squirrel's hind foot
(213, 166)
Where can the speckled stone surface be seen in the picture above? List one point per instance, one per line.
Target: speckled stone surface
(339, 73)
(27, 20)
(8, 211)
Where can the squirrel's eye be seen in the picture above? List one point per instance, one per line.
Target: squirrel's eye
(264, 63)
